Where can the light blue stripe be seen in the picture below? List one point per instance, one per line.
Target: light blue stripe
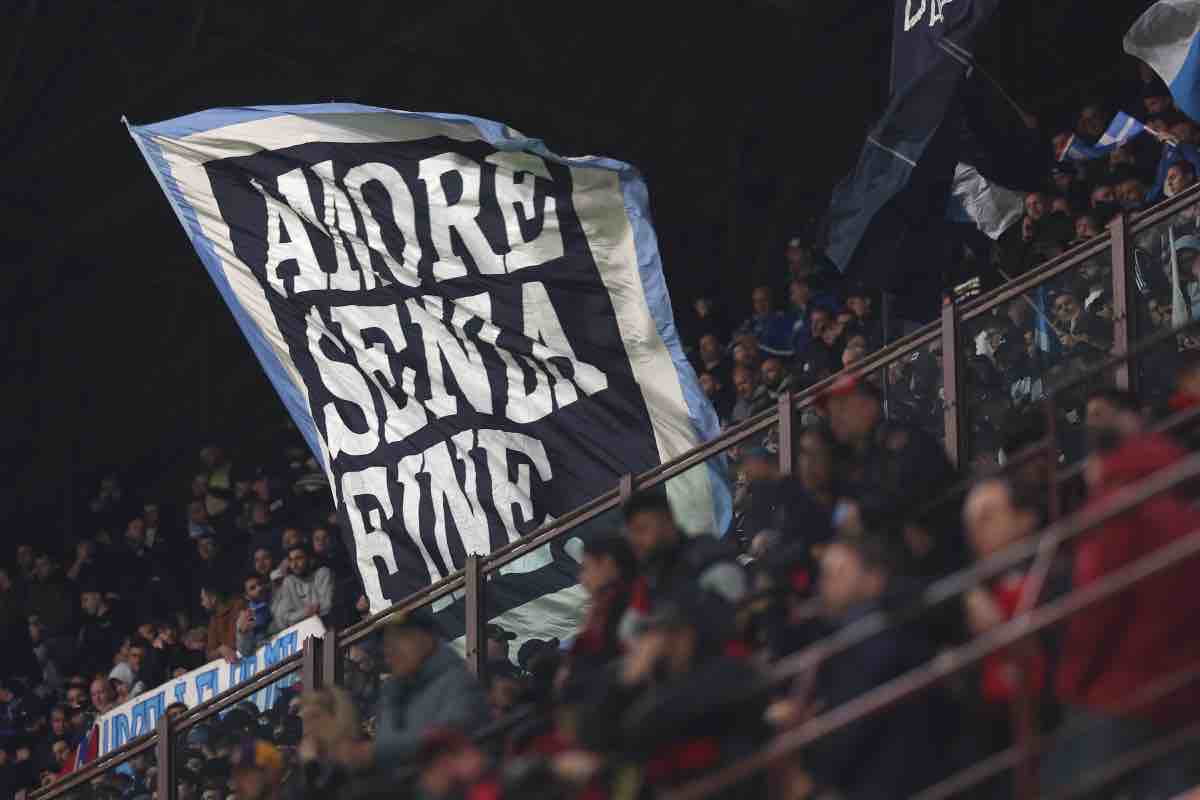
(1186, 86)
(293, 397)
(654, 287)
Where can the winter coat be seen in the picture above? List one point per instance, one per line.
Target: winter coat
(1149, 631)
(443, 693)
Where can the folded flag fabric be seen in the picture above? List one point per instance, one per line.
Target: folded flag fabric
(1122, 129)
(992, 208)
(1165, 38)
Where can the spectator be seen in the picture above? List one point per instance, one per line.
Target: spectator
(1129, 642)
(770, 327)
(712, 358)
(254, 624)
(24, 559)
(606, 573)
(997, 515)
(1080, 333)
(1180, 176)
(1091, 122)
(814, 466)
(49, 597)
(816, 362)
(257, 770)
(899, 458)
(668, 560)
(678, 701)
(99, 636)
(103, 697)
(719, 395)
(223, 611)
(362, 677)
(304, 592)
(800, 301)
(264, 567)
(331, 728)
(430, 687)
(897, 752)
(328, 552)
(708, 320)
(752, 397)
(775, 379)
(505, 687)
(778, 504)
(452, 766)
(498, 642)
(218, 495)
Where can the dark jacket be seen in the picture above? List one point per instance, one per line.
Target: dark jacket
(891, 754)
(1149, 631)
(702, 561)
(99, 640)
(442, 693)
(683, 728)
(599, 641)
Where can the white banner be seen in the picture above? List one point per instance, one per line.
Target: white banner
(140, 714)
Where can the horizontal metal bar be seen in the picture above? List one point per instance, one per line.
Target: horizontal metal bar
(1006, 759)
(951, 586)
(97, 768)
(1105, 774)
(430, 594)
(215, 705)
(1144, 220)
(923, 677)
(1048, 270)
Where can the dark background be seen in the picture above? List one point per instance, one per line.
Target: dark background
(118, 351)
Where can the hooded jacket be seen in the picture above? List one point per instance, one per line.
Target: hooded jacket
(1148, 632)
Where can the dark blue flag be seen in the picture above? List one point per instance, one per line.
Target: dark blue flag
(888, 214)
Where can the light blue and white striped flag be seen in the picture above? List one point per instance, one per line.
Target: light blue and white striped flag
(1165, 37)
(1122, 129)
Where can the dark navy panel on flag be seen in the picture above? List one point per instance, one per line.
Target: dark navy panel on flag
(473, 332)
(886, 213)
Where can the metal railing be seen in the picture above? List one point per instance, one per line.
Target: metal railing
(320, 662)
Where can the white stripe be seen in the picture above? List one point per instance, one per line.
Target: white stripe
(897, 154)
(600, 207)
(962, 51)
(955, 54)
(1162, 36)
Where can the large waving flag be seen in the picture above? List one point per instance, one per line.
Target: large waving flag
(1122, 129)
(887, 208)
(1165, 37)
(473, 333)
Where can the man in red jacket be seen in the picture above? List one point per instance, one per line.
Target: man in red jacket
(1139, 638)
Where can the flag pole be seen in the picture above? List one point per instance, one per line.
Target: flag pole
(946, 47)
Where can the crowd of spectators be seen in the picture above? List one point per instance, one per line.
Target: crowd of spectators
(153, 591)
(666, 679)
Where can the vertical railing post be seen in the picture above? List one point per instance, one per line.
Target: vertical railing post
(331, 662)
(476, 618)
(310, 670)
(787, 434)
(1123, 328)
(625, 487)
(164, 750)
(954, 414)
